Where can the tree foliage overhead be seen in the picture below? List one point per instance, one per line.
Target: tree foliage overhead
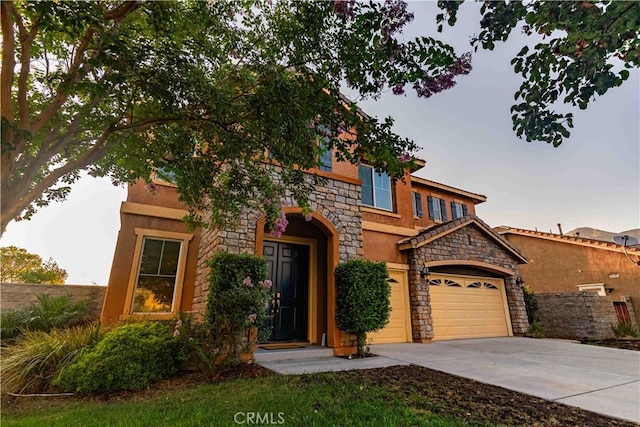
(587, 48)
(19, 266)
(204, 89)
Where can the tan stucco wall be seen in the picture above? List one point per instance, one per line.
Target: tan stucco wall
(15, 296)
(125, 248)
(561, 267)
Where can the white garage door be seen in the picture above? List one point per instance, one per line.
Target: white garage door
(399, 327)
(468, 307)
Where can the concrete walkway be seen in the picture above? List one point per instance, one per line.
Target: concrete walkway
(598, 379)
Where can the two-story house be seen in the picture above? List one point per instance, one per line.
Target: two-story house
(452, 276)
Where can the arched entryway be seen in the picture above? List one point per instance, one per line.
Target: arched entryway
(301, 264)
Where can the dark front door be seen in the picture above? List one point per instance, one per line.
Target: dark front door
(288, 269)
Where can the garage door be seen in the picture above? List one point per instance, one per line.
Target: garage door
(468, 307)
(399, 327)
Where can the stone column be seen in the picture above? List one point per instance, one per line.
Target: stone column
(420, 301)
(517, 308)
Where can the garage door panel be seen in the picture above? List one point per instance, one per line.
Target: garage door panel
(476, 309)
(397, 330)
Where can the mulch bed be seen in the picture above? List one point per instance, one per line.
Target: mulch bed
(623, 343)
(419, 388)
(475, 402)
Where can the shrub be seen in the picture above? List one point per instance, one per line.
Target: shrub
(48, 313)
(11, 323)
(237, 301)
(362, 298)
(196, 347)
(536, 329)
(531, 304)
(35, 358)
(625, 329)
(129, 357)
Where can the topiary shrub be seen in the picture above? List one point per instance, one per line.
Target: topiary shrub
(237, 302)
(129, 357)
(362, 298)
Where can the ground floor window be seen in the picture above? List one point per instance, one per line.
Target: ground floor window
(156, 279)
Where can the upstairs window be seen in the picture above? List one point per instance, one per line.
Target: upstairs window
(376, 188)
(326, 158)
(165, 174)
(417, 204)
(458, 210)
(437, 208)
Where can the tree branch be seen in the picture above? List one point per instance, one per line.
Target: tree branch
(13, 203)
(122, 11)
(60, 98)
(8, 67)
(26, 41)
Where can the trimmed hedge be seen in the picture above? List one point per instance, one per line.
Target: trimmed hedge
(238, 293)
(362, 298)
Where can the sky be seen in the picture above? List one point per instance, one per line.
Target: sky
(466, 137)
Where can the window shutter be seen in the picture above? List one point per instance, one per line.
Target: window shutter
(366, 194)
(443, 209)
(418, 202)
(453, 210)
(465, 211)
(430, 205)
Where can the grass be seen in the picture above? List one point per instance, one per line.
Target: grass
(312, 400)
(32, 361)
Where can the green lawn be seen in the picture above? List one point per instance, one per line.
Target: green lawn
(313, 400)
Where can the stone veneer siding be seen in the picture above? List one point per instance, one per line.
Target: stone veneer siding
(16, 296)
(467, 243)
(337, 201)
(576, 315)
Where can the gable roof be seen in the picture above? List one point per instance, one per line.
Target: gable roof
(477, 198)
(572, 240)
(437, 231)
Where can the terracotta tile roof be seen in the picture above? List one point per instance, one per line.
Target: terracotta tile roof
(599, 244)
(436, 231)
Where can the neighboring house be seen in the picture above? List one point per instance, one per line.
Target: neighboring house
(563, 263)
(452, 276)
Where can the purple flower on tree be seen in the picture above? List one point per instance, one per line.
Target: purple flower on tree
(404, 157)
(398, 89)
(280, 225)
(247, 282)
(431, 85)
(344, 8)
(266, 284)
(151, 187)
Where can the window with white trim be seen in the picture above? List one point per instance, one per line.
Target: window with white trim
(376, 188)
(155, 286)
(165, 174)
(458, 210)
(437, 208)
(594, 287)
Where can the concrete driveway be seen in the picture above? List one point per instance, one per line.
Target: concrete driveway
(598, 379)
